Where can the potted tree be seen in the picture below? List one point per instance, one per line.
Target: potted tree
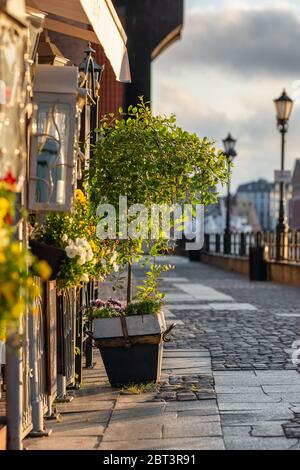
(151, 162)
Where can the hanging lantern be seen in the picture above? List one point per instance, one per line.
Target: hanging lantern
(55, 147)
(13, 64)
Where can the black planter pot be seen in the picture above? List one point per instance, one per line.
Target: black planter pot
(54, 256)
(138, 363)
(131, 347)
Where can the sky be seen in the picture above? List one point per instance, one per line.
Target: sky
(233, 59)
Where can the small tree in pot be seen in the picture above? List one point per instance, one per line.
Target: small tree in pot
(154, 164)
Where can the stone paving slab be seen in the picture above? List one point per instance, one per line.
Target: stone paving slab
(201, 292)
(248, 398)
(258, 443)
(205, 443)
(271, 429)
(229, 307)
(250, 417)
(282, 388)
(191, 428)
(63, 442)
(236, 389)
(189, 307)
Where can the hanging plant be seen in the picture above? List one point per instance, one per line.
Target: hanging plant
(85, 257)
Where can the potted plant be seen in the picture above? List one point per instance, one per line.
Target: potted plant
(130, 338)
(153, 162)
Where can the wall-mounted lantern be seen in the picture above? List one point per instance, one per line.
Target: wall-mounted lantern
(13, 63)
(55, 147)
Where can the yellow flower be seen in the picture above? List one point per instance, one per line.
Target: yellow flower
(15, 248)
(44, 270)
(4, 206)
(7, 289)
(93, 246)
(2, 330)
(80, 197)
(17, 309)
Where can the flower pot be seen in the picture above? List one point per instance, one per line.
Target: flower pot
(53, 255)
(131, 347)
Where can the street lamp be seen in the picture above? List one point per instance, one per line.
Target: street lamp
(283, 106)
(54, 148)
(230, 153)
(89, 78)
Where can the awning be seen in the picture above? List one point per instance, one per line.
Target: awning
(98, 14)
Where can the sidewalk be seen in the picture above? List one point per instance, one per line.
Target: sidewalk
(228, 380)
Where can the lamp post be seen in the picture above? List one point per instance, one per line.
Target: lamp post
(229, 146)
(283, 106)
(89, 78)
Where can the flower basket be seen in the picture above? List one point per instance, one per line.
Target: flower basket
(53, 255)
(131, 347)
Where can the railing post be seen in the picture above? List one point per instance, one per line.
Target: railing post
(14, 390)
(89, 340)
(217, 243)
(207, 242)
(243, 244)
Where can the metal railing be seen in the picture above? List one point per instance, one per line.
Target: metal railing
(240, 243)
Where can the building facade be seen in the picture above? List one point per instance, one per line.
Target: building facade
(294, 213)
(265, 198)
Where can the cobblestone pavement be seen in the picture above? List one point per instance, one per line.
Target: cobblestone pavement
(245, 326)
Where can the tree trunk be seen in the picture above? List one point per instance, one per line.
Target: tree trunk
(129, 281)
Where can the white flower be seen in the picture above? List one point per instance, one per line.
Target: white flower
(84, 278)
(82, 258)
(64, 238)
(116, 267)
(113, 258)
(71, 251)
(89, 255)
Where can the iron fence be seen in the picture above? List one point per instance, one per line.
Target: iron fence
(240, 243)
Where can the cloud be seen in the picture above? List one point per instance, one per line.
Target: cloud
(258, 142)
(248, 42)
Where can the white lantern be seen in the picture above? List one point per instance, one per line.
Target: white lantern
(54, 148)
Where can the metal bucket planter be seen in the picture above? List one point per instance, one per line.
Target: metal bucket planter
(131, 347)
(53, 255)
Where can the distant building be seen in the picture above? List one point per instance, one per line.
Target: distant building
(294, 213)
(265, 197)
(260, 194)
(243, 216)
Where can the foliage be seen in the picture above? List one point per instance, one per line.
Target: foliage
(87, 256)
(151, 160)
(105, 309)
(149, 289)
(144, 307)
(18, 289)
(155, 161)
(138, 389)
(113, 308)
